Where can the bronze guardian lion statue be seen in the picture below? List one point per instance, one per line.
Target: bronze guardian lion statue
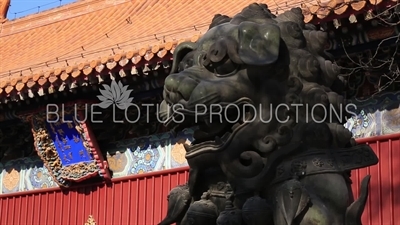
(278, 154)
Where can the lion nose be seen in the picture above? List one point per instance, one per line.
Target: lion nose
(186, 87)
(181, 84)
(172, 82)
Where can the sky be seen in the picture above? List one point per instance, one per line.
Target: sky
(20, 8)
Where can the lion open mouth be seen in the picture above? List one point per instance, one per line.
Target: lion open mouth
(216, 126)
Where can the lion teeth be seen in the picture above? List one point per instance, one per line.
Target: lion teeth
(218, 140)
(208, 123)
(225, 137)
(248, 115)
(235, 126)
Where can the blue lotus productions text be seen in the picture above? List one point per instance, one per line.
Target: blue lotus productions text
(213, 113)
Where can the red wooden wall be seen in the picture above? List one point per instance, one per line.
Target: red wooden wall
(141, 199)
(137, 200)
(383, 205)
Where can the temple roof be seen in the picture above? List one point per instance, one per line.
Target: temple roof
(317, 10)
(74, 39)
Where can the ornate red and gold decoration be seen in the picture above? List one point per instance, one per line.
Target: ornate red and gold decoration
(65, 143)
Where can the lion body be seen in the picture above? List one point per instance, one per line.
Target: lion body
(266, 61)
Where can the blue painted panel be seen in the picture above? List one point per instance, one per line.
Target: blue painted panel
(68, 142)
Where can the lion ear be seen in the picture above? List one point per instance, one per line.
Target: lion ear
(180, 52)
(259, 43)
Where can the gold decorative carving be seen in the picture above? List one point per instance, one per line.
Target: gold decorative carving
(178, 151)
(117, 162)
(47, 151)
(90, 221)
(11, 179)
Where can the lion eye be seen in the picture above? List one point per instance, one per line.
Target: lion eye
(227, 68)
(223, 68)
(185, 64)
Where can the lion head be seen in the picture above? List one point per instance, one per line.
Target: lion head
(277, 65)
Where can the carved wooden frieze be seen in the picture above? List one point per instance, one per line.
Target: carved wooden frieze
(63, 140)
